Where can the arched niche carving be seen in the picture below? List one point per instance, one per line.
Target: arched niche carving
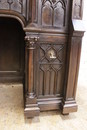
(59, 14)
(47, 14)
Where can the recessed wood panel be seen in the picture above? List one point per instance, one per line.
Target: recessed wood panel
(14, 5)
(51, 68)
(54, 13)
(11, 48)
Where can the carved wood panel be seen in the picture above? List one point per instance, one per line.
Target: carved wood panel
(50, 68)
(78, 5)
(14, 5)
(53, 13)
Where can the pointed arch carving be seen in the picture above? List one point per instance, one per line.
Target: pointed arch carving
(47, 13)
(77, 9)
(13, 7)
(53, 13)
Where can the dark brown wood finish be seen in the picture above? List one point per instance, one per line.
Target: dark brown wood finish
(53, 33)
(11, 50)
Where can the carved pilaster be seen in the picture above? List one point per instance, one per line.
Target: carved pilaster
(31, 106)
(33, 13)
(73, 61)
(30, 47)
(77, 9)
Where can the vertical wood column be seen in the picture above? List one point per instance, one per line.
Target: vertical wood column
(73, 61)
(31, 106)
(30, 47)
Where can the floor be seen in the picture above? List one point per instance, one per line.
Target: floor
(12, 116)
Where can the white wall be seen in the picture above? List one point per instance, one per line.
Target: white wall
(83, 63)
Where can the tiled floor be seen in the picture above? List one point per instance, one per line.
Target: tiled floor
(12, 116)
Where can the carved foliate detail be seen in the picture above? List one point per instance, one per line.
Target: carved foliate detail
(31, 42)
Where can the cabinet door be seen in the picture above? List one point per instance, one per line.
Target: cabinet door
(50, 67)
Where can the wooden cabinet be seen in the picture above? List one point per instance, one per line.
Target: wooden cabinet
(53, 32)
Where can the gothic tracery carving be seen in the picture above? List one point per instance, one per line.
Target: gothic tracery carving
(78, 9)
(55, 11)
(16, 5)
(51, 62)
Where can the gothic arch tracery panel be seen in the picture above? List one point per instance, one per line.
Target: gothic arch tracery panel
(14, 5)
(46, 13)
(59, 14)
(53, 13)
(78, 5)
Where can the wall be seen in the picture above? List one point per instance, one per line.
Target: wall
(83, 63)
